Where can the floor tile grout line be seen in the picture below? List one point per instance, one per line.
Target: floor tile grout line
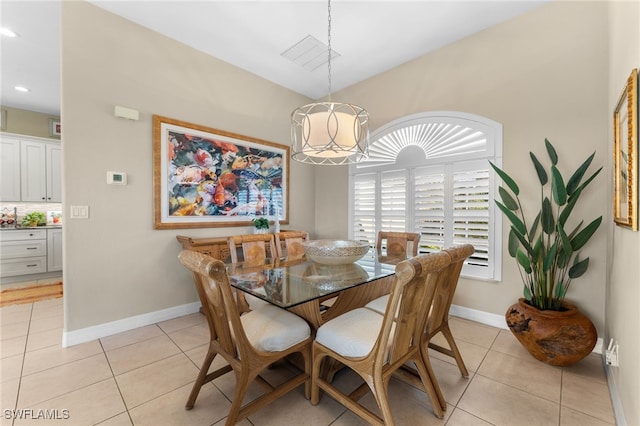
(26, 342)
(116, 383)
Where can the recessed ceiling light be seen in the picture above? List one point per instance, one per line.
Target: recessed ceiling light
(21, 89)
(7, 32)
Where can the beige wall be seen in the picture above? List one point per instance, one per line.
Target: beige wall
(116, 265)
(623, 292)
(541, 75)
(25, 122)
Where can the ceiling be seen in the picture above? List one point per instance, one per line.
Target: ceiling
(369, 37)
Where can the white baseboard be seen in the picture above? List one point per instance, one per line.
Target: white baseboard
(498, 321)
(618, 411)
(70, 338)
(482, 317)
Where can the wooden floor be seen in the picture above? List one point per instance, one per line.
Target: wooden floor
(16, 296)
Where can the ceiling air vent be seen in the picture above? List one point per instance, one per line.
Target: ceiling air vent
(309, 53)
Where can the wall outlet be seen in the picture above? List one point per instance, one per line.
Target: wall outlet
(611, 354)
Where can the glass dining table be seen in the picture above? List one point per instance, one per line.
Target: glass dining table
(316, 292)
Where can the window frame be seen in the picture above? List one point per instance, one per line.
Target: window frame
(390, 139)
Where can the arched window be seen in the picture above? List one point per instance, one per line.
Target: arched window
(429, 173)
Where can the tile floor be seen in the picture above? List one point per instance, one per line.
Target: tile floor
(144, 376)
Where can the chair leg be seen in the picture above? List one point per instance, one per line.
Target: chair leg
(380, 391)
(446, 331)
(431, 386)
(242, 385)
(307, 369)
(315, 376)
(200, 380)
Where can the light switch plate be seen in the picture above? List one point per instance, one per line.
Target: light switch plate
(79, 212)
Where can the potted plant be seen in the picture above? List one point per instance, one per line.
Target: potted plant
(261, 225)
(34, 219)
(546, 248)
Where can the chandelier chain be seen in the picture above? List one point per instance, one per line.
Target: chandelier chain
(329, 44)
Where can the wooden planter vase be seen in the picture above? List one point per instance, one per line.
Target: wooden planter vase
(558, 338)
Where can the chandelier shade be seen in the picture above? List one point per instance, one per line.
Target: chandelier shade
(329, 133)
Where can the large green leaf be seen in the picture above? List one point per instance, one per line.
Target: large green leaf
(551, 151)
(523, 260)
(566, 243)
(526, 293)
(542, 173)
(538, 248)
(579, 268)
(513, 186)
(549, 258)
(524, 242)
(566, 211)
(548, 222)
(575, 179)
(534, 226)
(586, 182)
(557, 187)
(515, 220)
(563, 260)
(583, 236)
(507, 199)
(514, 243)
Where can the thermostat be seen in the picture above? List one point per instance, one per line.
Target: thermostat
(116, 178)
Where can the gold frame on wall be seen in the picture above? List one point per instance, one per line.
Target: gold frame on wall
(205, 177)
(625, 155)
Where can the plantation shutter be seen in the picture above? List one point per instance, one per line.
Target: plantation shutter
(429, 208)
(364, 207)
(393, 201)
(471, 211)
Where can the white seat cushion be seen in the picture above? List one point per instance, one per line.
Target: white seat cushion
(255, 302)
(352, 334)
(272, 329)
(378, 305)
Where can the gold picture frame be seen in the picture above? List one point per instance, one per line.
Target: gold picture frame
(625, 159)
(205, 177)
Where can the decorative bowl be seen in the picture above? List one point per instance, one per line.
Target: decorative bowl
(335, 252)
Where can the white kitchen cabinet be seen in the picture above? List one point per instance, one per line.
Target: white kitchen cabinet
(23, 252)
(54, 250)
(40, 171)
(9, 169)
(30, 169)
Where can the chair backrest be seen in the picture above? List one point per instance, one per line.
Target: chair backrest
(218, 304)
(415, 283)
(289, 244)
(444, 294)
(398, 244)
(255, 248)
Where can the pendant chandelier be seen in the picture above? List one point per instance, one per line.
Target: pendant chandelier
(329, 133)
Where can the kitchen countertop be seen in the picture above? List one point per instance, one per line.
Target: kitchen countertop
(18, 228)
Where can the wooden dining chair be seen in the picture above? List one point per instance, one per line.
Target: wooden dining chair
(251, 249)
(254, 248)
(289, 244)
(398, 244)
(438, 321)
(375, 346)
(249, 343)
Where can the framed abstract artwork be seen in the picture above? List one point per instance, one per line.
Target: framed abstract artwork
(625, 161)
(55, 128)
(205, 177)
